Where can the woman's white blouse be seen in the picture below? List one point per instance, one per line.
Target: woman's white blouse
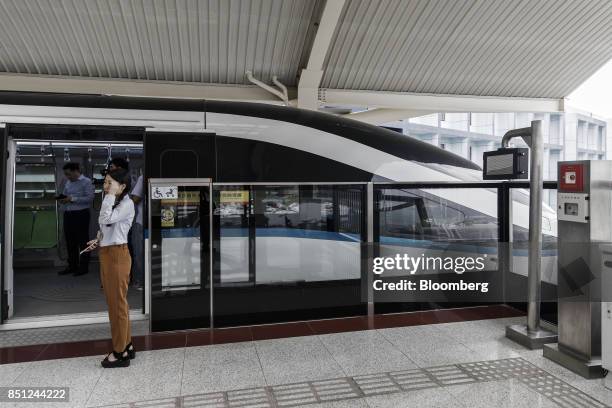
(115, 223)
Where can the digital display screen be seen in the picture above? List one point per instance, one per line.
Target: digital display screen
(500, 164)
(506, 163)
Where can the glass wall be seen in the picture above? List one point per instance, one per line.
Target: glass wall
(287, 252)
(440, 229)
(233, 212)
(290, 252)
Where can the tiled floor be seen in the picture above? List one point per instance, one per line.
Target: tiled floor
(460, 364)
(79, 341)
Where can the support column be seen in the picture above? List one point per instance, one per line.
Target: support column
(310, 78)
(531, 335)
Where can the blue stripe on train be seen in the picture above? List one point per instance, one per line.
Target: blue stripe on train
(180, 232)
(292, 233)
(453, 246)
(346, 237)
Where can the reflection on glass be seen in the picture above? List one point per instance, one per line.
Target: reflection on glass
(287, 252)
(279, 234)
(426, 223)
(307, 233)
(233, 211)
(281, 201)
(180, 233)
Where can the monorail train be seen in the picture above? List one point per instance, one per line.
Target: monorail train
(295, 157)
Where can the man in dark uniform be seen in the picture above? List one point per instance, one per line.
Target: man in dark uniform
(77, 199)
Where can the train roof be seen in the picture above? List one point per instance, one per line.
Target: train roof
(376, 137)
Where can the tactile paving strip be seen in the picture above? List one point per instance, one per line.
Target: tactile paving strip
(346, 388)
(560, 392)
(450, 375)
(501, 369)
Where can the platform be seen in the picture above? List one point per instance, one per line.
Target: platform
(459, 364)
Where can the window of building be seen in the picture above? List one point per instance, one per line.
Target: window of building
(554, 129)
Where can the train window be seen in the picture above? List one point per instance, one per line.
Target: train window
(399, 216)
(440, 213)
(415, 214)
(35, 207)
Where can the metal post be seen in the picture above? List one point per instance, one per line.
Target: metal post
(370, 252)
(504, 213)
(211, 253)
(531, 335)
(534, 274)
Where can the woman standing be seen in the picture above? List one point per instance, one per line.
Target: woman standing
(116, 216)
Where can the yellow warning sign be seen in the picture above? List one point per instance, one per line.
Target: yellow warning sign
(184, 197)
(167, 216)
(189, 197)
(235, 196)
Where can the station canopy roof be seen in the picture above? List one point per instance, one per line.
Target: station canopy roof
(402, 56)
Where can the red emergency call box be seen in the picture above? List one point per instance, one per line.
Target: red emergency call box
(571, 177)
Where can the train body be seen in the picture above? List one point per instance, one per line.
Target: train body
(305, 172)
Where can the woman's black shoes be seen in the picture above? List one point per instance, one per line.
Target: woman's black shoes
(121, 360)
(130, 351)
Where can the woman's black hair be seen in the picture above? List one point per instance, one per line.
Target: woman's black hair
(121, 176)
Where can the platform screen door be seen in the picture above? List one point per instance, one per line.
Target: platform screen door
(180, 230)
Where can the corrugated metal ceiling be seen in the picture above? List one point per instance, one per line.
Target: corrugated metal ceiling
(528, 48)
(167, 40)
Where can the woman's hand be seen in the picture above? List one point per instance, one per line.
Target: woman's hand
(91, 245)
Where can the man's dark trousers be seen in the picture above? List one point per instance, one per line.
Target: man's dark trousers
(76, 231)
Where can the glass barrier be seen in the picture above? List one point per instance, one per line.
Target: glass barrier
(303, 234)
(180, 239)
(233, 210)
(432, 237)
(287, 252)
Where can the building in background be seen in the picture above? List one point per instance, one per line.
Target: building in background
(567, 136)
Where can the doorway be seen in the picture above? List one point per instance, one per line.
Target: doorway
(38, 253)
